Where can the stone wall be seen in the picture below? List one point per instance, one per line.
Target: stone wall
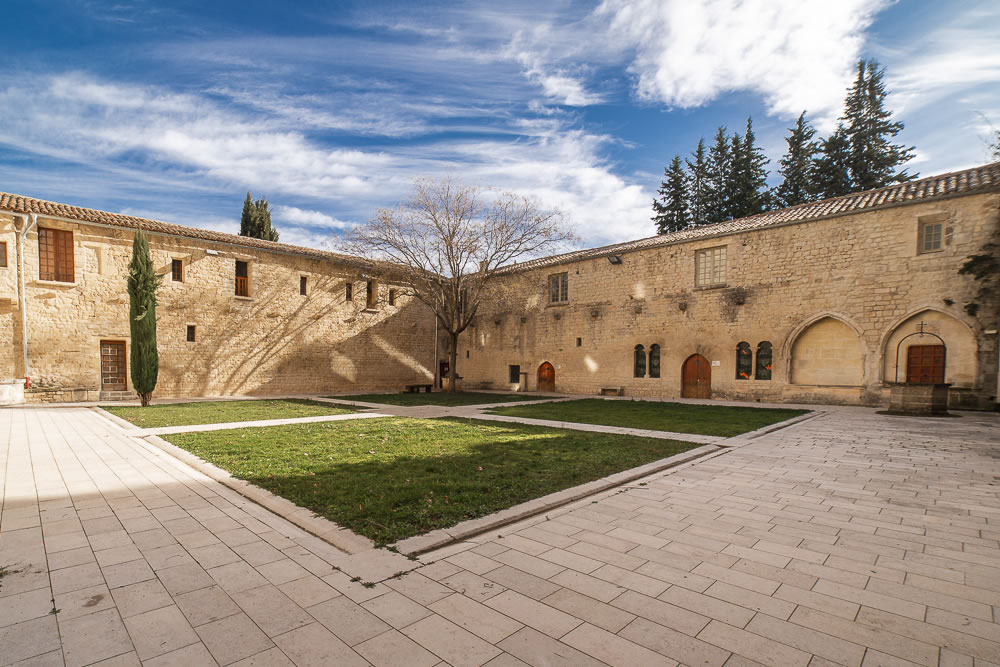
(275, 341)
(839, 288)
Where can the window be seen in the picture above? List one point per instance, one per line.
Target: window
(303, 283)
(579, 342)
(710, 267)
(515, 374)
(764, 356)
(744, 361)
(3, 253)
(177, 270)
(639, 369)
(55, 255)
(242, 279)
(392, 297)
(654, 361)
(190, 333)
(559, 288)
(349, 292)
(929, 236)
(371, 294)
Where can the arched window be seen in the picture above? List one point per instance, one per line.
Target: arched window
(654, 361)
(744, 361)
(640, 361)
(764, 357)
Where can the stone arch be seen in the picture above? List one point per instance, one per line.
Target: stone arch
(962, 361)
(826, 350)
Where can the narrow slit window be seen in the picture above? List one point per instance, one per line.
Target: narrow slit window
(177, 270)
(349, 292)
(303, 285)
(371, 294)
(654, 361)
(765, 354)
(242, 278)
(744, 361)
(190, 333)
(639, 363)
(392, 297)
(3, 254)
(55, 255)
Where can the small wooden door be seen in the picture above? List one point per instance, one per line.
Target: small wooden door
(696, 378)
(546, 377)
(925, 364)
(113, 365)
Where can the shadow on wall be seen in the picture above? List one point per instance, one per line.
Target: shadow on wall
(321, 345)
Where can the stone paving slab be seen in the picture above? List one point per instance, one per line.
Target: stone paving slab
(850, 538)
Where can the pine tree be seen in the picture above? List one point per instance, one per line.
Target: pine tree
(797, 166)
(717, 174)
(143, 282)
(698, 185)
(831, 169)
(672, 208)
(255, 221)
(874, 161)
(748, 181)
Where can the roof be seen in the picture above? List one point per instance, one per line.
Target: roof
(22, 204)
(967, 182)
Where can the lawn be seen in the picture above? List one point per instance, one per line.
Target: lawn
(438, 398)
(393, 478)
(721, 420)
(220, 412)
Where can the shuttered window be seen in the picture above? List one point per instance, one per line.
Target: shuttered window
(55, 255)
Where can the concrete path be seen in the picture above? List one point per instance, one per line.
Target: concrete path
(851, 538)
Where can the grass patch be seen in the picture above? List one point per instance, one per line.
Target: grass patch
(220, 412)
(438, 398)
(721, 420)
(392, 478)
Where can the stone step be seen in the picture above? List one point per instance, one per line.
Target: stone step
(118, 396)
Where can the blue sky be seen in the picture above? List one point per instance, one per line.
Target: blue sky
(173, 110)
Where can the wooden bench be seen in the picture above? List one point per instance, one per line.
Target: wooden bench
(417, 388)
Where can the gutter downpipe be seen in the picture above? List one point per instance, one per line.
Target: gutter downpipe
(25, 228)
(436, 347)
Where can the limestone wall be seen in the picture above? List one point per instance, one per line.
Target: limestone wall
(276, 341)
(862, 269)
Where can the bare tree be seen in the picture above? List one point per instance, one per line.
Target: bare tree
(449, 244)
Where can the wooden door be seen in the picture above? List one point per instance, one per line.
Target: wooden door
(925, 364)
(113, 365)
(546, 377)
(696, 378)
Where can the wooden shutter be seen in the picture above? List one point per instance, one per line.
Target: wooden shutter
(55, 255)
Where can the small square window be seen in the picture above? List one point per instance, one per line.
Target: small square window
(55, 255)
(392, 297)
(515, 374)
(3, 254)
(349, 292)
(303, 284)
(929, 237)
(559, 288)
(177, 270)
(710, 267)
(190, 333)
(579, 342)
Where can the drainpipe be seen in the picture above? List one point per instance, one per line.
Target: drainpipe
(436, 347)
(25, 228)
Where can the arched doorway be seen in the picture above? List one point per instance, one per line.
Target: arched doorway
(546, 377)
(696, 377)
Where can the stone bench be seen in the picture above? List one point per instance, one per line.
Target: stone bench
(417, 388)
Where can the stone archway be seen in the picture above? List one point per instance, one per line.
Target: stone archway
(696, 377)
(960, 363)
(827, 352)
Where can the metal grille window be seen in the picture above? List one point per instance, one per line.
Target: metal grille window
(929, 239)
(392, 297)
(190, 333)
(303, 284)
(710, 267)
(559, 288)
(55, 255)
(177, 270)
(242, 279)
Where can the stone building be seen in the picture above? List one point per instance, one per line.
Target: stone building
(236, 315)
(814, 303)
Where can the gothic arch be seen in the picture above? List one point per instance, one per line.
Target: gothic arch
(827, 349)
(959, 336)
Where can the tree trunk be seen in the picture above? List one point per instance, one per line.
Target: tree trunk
(145, 397)
(452, 372)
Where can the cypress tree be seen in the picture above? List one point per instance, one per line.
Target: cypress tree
(797, 166)
(874, 161)
(672, 208)
(698, 185)
(255, 221)
(143, 282)
(748, 181)
(717, 174)
(831, 171)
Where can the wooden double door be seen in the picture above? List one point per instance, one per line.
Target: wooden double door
(696, 377)
(925, 364)
(114, 365)
(546, 377)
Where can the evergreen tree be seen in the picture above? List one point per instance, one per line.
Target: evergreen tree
(143, 282)
(874, 160)
(717, 174)
(831, 170)
(748, 193)
(797, 166)
(698, 185)
(672, 208)
(256, 220)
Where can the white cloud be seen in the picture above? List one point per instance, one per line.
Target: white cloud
(297, 216)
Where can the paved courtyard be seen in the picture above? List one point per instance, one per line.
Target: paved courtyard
(851, 538)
